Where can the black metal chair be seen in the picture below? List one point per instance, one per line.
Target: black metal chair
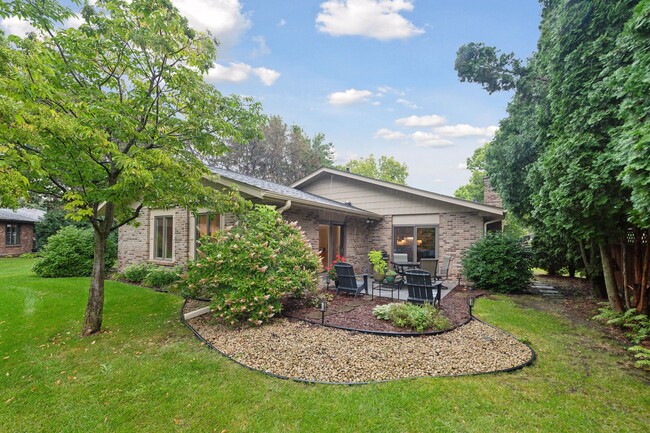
(443, 270)
(348, 282)
(421, 289)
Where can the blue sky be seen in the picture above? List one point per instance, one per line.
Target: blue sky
(375, 76)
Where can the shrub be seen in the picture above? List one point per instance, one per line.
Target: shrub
(412, 316)
(30, 255)
(498, 263)
(160, 277)
(53, 221)
(246, 269)
(69, 253)
(137, 272)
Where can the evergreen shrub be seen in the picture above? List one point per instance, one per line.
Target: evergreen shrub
(69, 253)
(498, 263)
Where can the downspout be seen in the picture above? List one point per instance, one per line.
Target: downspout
(286, 206)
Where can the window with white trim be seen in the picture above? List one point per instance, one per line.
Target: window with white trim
(163, 238)
(12, 234)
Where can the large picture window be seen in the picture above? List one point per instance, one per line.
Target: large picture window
(12, 234)
(418, 242)
(163, 237)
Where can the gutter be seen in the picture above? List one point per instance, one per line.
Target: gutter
(485, 224)
(286, 206)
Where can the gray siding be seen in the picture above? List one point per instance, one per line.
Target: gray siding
(376, 198)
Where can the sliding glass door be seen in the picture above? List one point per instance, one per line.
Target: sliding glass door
(331, 238)
(417, 242)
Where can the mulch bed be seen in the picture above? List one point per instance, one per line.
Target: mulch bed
(345, 311)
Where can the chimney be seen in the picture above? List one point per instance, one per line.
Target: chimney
(490, 196)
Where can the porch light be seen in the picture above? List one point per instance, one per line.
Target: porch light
(323, 309)
(470, 304)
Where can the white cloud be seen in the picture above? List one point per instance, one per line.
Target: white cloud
(262, 47)
(282, 23)
(378, 19)
(421, 121)
(428, 139)
(350, 96)
(236, 73)
(74, 21)
(223, 18)
(266, 75)
(239, 72)
(407, 103)
(462, 166)
(387, 134)
(464, 130)
(16, 26)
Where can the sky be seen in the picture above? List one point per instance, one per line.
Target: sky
(375, 76)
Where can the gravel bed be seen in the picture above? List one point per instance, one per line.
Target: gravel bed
(309, 352)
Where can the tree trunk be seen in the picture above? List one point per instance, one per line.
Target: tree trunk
(610, 281)
(95, 306)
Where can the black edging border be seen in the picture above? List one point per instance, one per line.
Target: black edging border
(532, 359)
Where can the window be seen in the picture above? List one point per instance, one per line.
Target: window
(207, 225)
(12, 234)
(163, 237)
(418, 242)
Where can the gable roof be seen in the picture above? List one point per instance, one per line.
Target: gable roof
(21, 215)
(493, 210)
(264, 189)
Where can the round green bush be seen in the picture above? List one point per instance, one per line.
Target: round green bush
(160, 277)
(69, 253)
(137, 272)
(248, 268)
(498, 263)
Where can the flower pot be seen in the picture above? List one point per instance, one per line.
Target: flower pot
(378, 278)
(390, 279)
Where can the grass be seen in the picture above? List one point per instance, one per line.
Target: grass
(147, 372)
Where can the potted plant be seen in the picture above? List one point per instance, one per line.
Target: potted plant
(331, 272)
(390, 276)
(379, 265)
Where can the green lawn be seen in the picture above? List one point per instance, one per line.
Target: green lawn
(147, 372)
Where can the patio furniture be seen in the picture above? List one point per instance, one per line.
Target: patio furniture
(401, 264)
(421, 289)
(443, 271)
(429, 265)
(384, 286)
(348, 282)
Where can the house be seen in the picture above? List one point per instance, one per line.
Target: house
(17, 227)
(340, 213)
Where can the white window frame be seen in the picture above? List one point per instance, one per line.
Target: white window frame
(152, 234)
(16, 235)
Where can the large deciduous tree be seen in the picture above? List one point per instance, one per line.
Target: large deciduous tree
(283, 154)
(112, 116)
(385, 168)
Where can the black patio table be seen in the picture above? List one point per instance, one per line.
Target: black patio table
(402, 267)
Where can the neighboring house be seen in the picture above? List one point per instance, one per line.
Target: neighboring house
(340, 213)
(17, 228)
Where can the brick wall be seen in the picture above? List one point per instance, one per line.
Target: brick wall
(457, 231)
(490, 196)
(26, 243)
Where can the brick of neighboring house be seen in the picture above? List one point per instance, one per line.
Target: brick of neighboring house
(457, 232)
(26, 244)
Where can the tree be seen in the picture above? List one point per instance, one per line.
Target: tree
(474, 190)
(283, 154)
(571, 159)
(478, 63)
(386, 168)
(112, 117)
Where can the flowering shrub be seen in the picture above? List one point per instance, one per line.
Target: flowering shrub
(246, 269)
(330, 269)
